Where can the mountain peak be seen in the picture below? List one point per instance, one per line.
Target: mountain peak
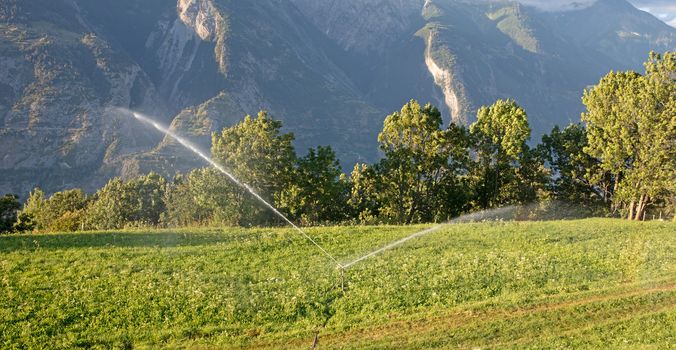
(615, 5)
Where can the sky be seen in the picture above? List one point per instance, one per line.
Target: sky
(662, 9)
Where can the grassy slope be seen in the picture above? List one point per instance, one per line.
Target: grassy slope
(591, 283)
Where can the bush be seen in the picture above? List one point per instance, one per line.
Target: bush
(9, 207)
(48, 214)
(70, 221)
(119, 204)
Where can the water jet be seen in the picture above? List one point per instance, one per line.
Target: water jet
(227, 173)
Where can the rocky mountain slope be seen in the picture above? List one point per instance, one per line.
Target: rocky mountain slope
(330, 69)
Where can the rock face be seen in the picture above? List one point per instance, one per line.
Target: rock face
(201, 16)
(364, 25)
(58, 80)
(330, 69)
(205, 20)
(447, 82)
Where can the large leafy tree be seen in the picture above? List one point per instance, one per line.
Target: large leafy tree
(420, 158)
(260, 155)
(64, 211)
(631, 123)
(499, 138)
(31, 209)
(146, 194)
(563, 151)
(319, 191)
(364, 201)
(109, 208)
(531, 178)
(453, 191)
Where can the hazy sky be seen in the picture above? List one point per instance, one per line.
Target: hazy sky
(662, 9)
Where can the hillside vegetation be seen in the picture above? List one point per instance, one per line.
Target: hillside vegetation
(575, 284)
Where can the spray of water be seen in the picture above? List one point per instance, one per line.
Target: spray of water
(492, 214)
(220, 168)
(500, 213)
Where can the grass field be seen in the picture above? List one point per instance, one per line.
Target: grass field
(563, 284)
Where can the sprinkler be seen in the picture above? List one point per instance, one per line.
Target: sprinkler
(340, 266)
(341, 270)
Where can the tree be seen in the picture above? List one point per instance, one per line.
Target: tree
(364, 198)
(146, 194)
(531, 178)
(419, 159)
(61, 212)
(631, 123)
(499, 139)
(203, 197)
(9, 207)
(24, 223)
(137, 202)
(259, 154)
(31, 213)
(452, 193)
(319, 190)
(109, 208)
(563, 151)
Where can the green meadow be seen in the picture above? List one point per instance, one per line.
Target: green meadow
(595, 283)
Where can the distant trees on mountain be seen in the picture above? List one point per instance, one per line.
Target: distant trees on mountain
(621, 161)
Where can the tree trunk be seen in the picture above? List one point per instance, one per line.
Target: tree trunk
(637, 211)
(496, 189)
(615, 206)
(409, 216)
(640, 210)
(631, 210)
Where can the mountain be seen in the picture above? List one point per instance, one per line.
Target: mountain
(330, 69)
(57, 78)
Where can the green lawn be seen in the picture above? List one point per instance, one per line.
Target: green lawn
(564, 284)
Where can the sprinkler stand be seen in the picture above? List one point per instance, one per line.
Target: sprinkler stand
(342, 278)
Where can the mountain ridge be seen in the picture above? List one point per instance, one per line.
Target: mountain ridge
(66, 63)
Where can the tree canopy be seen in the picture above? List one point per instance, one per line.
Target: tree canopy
(631, 125)
(621, 159)
(499, 137)
(260, 155)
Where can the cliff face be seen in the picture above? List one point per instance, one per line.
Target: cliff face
(479, 51)
(364, 26)
(57, 81)
(331, 70)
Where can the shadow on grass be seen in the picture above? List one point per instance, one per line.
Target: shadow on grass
(116, 239)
